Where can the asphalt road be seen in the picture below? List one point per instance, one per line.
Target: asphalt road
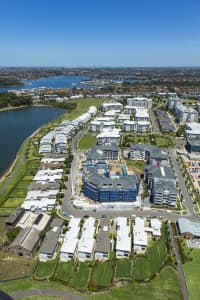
(181, 181)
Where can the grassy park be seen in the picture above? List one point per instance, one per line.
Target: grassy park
(64, 271)
(157, 140)
(45, 269)
(123, 269)
(137, 166)
(146, 266)
(102, 275)
(192, 274)
(87, 141)
(164, 286)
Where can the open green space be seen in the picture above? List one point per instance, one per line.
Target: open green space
(5, 211)
(64, 271)
(192, 274)
(165, 286)
(123, 269)
(87, 141)
(80, 277)
(18, 193)
(45, 269)
(41, 298)
(148, 265)
(157, 140)
(13, 202)
(13, 267)
(2, 230)
(135, 165)
(82, 107)
(102, 275)
(24, 184)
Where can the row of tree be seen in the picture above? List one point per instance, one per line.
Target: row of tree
(12, 100)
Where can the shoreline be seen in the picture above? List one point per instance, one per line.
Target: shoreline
(8, 171)
(24, 106)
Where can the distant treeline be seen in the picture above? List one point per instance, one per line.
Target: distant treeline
(9, 82)
(10, 99)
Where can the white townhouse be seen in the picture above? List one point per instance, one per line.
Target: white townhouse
(123, 243)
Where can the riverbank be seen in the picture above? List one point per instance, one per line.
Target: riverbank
(24, 161)
(25, 106)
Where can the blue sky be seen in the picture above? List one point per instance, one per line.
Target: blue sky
(100, 33)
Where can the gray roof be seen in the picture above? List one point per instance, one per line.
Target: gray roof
(50, 241)
(97, 152)
(155, 151)
(194, 142)
(46, 186)
(15, 215)
(187, 226)
(103, 240)
(161, 186)
(160, 172)
(56, 223)
(27, 238)
(115, 182)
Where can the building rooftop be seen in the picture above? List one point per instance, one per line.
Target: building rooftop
(15, 215)
(103, 240)
(123, 242)
(187, 226)
(27, 238)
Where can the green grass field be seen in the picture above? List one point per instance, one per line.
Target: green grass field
(45, 269)
(192, 274)
(165, 286)
(5, 212)
(160, 141)
(13, 267)
(135, 165)
(13, 202)
(147, 266)
(81, 276)
(123, 269)
(87, 141)
(3, 236)
(64, 271)
(102, 274)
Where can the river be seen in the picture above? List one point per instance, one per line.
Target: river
(16, 125)
(54, 82)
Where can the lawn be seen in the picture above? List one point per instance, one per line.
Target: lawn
(147, 266)
(192, 274)
(136, 166)
(5, 212)
(123, 269)
(87, 141)
(45, 269)
(24, 184)
(102, 275)
(165, 286)
(158, 140)
(81, 276)
(12, 267)
(2, 230)
(13, 202)
(64, 271)
(25, 284)
(82, 107)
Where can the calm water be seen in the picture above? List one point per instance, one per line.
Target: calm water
(49, 82)
(16, 125)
